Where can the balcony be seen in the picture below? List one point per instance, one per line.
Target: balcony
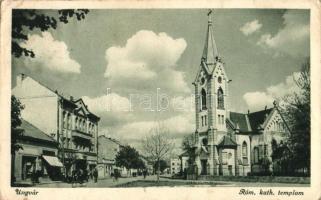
(81, 134)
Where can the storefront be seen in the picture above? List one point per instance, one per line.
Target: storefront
(37, 155)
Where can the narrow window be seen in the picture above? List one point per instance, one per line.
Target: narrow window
(223, 119)
(256, 155)
(203, 93)
(220, 99)
(219, 119)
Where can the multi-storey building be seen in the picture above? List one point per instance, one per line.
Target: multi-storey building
(175, 166)
(66, 120)
(230, 143)
(107, 151)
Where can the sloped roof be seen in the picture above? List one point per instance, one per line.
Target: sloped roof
(240, 120)
(258, 118)
(33, 132)
(227, 142)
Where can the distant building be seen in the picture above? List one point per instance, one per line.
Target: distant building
(107, 151)
(175, 166)
(66, 120)
(39, 152)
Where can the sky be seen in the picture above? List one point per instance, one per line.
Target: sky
(135, 68)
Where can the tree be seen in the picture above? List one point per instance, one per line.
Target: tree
(16, 132)
(297, 114)
(31, 19)
(128, 157)
(157, 145)
(188, 144)
(162, 165)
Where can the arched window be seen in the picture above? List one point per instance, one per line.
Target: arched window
(220, 99)
(244, 153)
(203, 93)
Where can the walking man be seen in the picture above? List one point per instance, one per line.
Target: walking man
(95, 174)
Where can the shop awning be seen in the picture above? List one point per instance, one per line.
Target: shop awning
(53, 161)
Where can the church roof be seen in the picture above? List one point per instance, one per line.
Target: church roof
(227, 142)
(258, 118)
(249, 122)
(240, 120)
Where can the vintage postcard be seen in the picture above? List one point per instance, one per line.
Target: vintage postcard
(160, 100)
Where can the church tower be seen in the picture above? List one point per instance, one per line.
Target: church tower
(211, 103)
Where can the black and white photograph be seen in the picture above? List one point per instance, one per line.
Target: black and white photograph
(161, 97)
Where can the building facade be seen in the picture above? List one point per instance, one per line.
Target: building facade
(226, 142)
(66, 120)
(107, 151)
(175, 166)
(39, 152)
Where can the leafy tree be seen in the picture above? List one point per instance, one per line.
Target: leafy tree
(296, 110)
(16, 132)
(31, 19)
(157, 145)
(16, 108)
(128, 157)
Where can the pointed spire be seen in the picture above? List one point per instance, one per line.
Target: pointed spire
(210, 52)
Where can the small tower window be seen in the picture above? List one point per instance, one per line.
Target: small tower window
(203, 93)
(220, 99)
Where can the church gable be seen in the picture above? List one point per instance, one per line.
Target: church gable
(220, 71)
(275, 122)
(202, 72)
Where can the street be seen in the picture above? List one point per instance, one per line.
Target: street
(150, 182)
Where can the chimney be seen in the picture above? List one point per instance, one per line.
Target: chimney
(265, 107)
(20, 78)
(248, 111)
(71, 98)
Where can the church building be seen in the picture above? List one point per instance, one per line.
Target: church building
(227, 142)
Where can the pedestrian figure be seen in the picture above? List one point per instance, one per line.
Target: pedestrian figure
(144, 173)
(95, 174)
(81, 176)
(116, 175)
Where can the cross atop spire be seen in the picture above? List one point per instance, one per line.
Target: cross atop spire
(210, 52)
(209, 14)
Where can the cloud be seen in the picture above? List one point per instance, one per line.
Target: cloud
(147, 60)
(293, 38)
(179, 125)
(108, 103)
(250, 27)
(259, 99)
(49, 53)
